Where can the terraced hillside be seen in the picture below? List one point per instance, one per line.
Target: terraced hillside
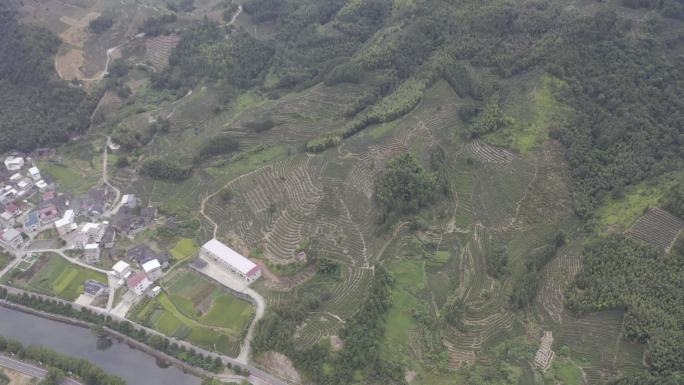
(657, 227)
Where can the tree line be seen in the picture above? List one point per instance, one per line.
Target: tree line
(59, 363)
(622, 273)
(162, 344)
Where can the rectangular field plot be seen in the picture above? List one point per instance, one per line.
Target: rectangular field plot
(198, 311)
(184, 249)
(53, 275)
(657, 227)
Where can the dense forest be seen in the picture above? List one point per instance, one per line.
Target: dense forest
(36, 109)
(621, 273)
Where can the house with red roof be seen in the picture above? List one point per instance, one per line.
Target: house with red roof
(139, 283)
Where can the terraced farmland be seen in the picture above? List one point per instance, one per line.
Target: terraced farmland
(596, 339)
(500, 189)
(657, 227)
(298, 117)
(158, 49)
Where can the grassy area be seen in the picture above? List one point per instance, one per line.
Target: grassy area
(197, 310)
(68, 178)
(441, 257)
(54, 275)
(378, 131)
(5, 259)
(534, 112)
(227, 311)
(185, 248)
(410, 279)
(619, 214)
(248, 162)
(567, 372)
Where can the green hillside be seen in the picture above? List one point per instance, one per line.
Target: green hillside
(461, 176)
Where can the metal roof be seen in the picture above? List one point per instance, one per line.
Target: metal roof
(229, 256)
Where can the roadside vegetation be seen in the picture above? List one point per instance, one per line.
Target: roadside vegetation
(59, 364)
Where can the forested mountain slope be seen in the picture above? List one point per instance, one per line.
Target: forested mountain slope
(36, 109)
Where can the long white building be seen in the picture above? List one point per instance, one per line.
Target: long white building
(231, 259)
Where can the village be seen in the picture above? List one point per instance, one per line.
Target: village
(39, 222)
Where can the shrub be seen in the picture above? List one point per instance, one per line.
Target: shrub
(165, 169)
(101, 23)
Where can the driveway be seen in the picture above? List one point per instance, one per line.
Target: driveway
(127, 302)
(231, 281)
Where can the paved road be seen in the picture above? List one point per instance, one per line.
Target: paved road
(30, 370)
(255, 373)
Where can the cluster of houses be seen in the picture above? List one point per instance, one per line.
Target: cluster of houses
(30, 204)
(148, 269)
(20, 180)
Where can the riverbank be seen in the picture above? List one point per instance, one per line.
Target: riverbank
(85, 317)
(122, 338)
(134, 366)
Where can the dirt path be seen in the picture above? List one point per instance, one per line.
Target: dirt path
(117, 203)
(246, 347)
(235, 16)
(73, 261)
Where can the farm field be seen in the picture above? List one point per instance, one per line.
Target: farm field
(54, 275)
(4, 259)
(184, 249)
(197, 310)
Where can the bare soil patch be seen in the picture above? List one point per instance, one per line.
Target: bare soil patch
(280, 365)
(17, 378)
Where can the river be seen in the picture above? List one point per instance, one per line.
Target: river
(134, 366)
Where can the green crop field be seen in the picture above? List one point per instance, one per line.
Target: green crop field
(197, 310)
(53, 275)
(4, 259)
(184, 249)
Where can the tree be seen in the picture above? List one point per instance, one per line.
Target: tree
(404, 187)
(101, 23)
(54, 376)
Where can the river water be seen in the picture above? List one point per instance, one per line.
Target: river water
(134, 366)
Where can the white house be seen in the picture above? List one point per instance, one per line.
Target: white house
(121, 269)
(230, 259)
(154, 292)
(66, 224)
(129, 201)
(12, 238)
(14, 163)
(25, 184)
(94, 231)
(35, 173)
(138, 283)
(41, 185)
(152, 269)
(7, 219)
(91, 253)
